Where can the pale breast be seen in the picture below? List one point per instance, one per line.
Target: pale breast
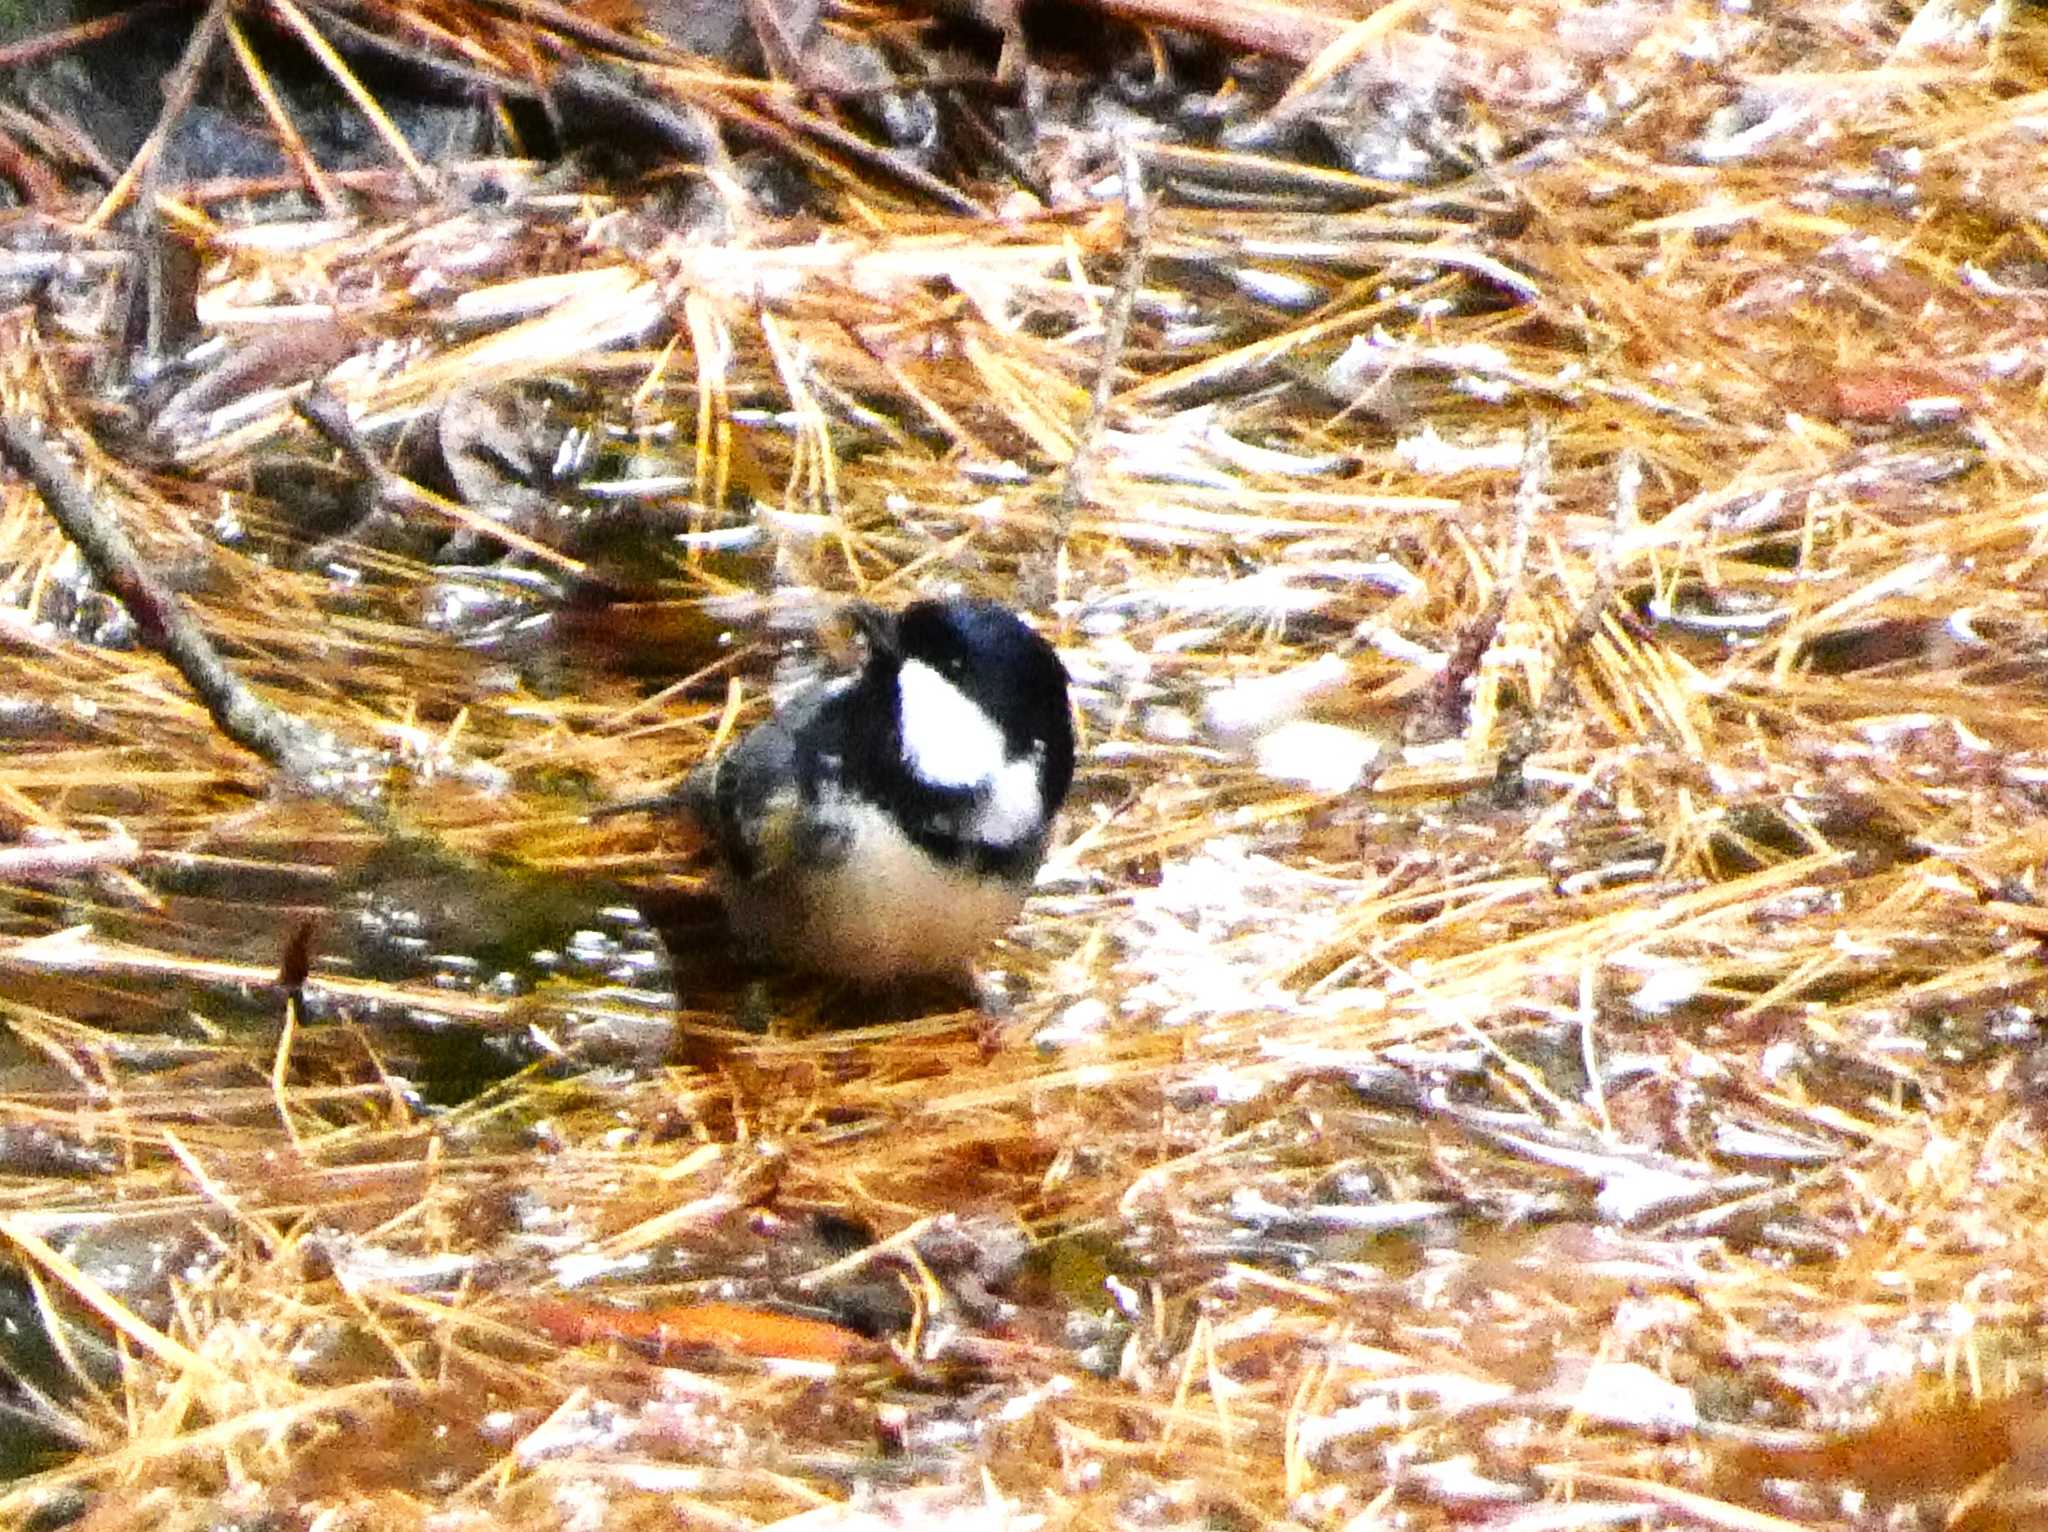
(884, 910)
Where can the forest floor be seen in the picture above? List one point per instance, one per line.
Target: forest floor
(1535, 1020)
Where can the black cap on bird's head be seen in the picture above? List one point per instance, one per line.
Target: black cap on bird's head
(997, 661)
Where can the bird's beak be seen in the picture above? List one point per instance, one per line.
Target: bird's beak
(877, 626)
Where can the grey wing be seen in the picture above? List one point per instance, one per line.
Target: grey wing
(752, 797)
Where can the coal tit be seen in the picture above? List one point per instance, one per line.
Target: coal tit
(888, 823)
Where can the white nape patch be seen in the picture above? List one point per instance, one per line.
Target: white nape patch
(947, 739)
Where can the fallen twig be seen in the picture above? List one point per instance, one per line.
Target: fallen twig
(1585, 623)
(1116, 330)
(66, 859)
(179, 89)
(310, 758)
(31, 50)
(1478, 635)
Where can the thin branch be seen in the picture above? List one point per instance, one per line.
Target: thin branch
(449, 74)
(304, 754)
(564, 20)
(1585, 623)
(1116, 332)
(44, 45)
(1477, 636)
(179, 90)
(66, 859)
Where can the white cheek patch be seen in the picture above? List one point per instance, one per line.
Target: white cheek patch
(947, 739)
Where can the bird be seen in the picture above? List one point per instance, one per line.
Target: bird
(886, 825)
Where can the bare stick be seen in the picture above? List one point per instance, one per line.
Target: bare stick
(179, 90)
(33, 49)
(66, 859)
(1137, 245)
(291, 746)
(1478, 635)
(1585, 623)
